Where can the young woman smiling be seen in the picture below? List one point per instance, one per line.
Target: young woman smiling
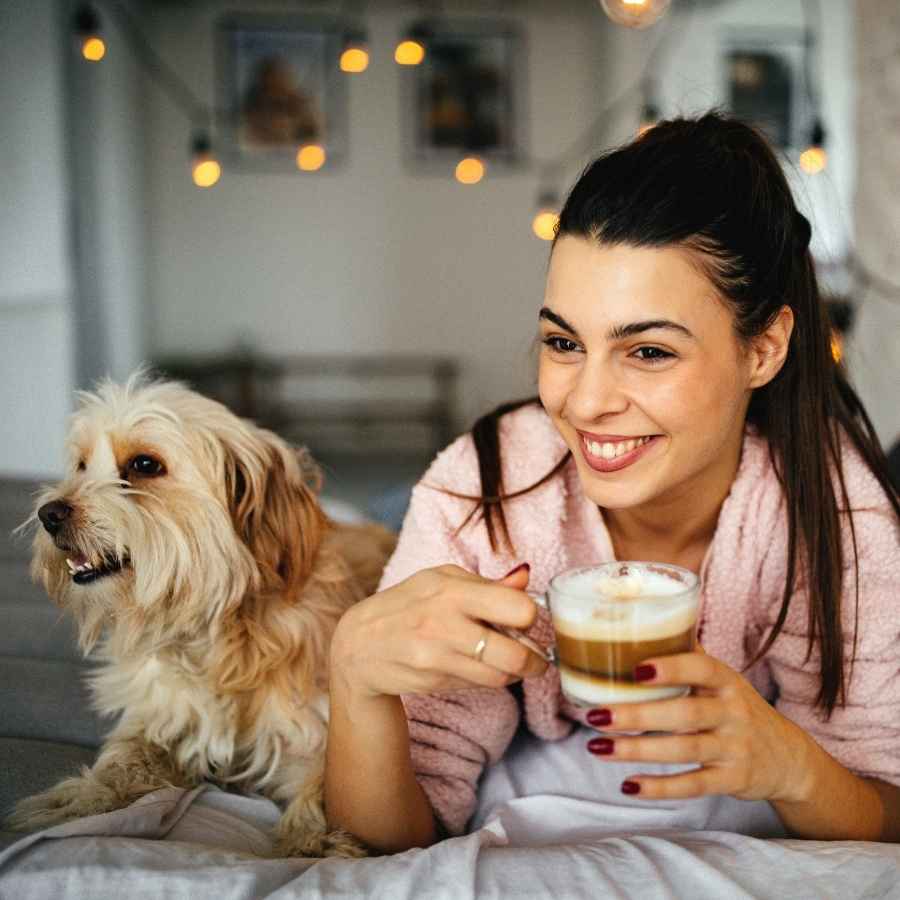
(690, 412)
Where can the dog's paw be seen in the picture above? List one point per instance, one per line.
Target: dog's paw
(73, 798)
(318, 844)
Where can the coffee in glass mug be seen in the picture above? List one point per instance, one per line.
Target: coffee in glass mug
(608, 618)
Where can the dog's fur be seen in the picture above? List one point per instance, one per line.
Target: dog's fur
(214, 635)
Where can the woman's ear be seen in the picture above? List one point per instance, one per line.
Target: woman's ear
(769, 350)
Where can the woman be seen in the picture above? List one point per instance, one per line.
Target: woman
(690, 412)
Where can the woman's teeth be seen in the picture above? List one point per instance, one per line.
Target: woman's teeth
(611, 451)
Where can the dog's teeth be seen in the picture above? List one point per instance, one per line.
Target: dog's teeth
(71, 565)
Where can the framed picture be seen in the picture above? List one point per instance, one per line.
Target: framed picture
(280, 88)
(764, 83)
(466, 95)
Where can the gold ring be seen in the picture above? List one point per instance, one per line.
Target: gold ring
(479, 649)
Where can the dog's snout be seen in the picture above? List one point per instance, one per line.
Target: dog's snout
(54, 514)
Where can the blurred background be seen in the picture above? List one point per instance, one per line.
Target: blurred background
(334, 216)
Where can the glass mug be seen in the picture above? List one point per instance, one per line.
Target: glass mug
(608, 618)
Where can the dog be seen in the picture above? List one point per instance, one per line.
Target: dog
(192, 550)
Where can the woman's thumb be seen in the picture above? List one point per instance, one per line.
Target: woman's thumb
(517, 577)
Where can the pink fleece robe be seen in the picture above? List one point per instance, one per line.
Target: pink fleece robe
(556, 527)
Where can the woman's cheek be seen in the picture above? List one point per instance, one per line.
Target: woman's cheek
(550, 386)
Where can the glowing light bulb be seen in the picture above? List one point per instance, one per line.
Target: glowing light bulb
(814, 158)
(409, 53)
(649, 118)
(837, 345)
(635, 13)
(354, 60)
(310, 157)
(546, 219)
(86, 28)
(544, 225)
(469, 170)
(93, 49)
(206, 173)
(205, 168)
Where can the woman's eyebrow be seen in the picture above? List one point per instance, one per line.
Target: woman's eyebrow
(551, 316)
(617, 332)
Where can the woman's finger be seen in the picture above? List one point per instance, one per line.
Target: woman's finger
(670, 748)
(713, 779)
(496, 603)
(679, 714)
(499, 651)
(695, 668)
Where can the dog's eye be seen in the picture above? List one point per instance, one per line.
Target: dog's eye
(81, 465)
(146, 465)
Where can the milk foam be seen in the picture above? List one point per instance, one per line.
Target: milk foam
(601, 605)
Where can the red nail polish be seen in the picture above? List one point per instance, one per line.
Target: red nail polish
(599, 717)
(518, 569)
(644, 673)
(630, 787)
(601, 746)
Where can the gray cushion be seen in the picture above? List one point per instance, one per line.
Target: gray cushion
(48, 700)
(33, 766)
(30, 623)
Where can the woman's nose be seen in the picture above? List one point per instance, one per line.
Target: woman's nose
(596, 393)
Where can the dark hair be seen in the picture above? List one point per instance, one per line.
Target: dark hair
(713, 185)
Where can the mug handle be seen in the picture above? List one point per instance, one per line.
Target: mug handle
(516, 635)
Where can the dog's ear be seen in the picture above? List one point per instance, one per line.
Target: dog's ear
(272, 499)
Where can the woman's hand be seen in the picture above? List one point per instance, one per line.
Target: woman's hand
(420, 636)
(745, 747)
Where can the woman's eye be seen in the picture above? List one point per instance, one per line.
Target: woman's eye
(561, 344)
(655, 354)
(146, 465)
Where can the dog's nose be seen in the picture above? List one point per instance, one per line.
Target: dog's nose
(54, 514)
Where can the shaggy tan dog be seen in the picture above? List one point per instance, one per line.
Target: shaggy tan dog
(190, 544)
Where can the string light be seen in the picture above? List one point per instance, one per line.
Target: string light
(411, 49)
(355, 54)
(205, 168)
(837, 345)
(814, 159)
(87, 32)
(470, 170)
(649, 118)
(546, 219)
(310, 157)
(635, 13)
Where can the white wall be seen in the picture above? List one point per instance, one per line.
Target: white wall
(374, 258)
(691, 80)
(36, 367)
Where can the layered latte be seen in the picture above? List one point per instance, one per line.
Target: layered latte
(611, 617)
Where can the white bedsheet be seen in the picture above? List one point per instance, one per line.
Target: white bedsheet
(551, 823)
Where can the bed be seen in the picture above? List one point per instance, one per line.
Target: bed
(550, 823)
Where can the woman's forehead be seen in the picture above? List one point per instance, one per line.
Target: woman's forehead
(591, 284)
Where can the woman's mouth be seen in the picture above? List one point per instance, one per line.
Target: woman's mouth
(614, 453)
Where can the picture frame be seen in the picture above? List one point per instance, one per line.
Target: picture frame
(467, 95)
(280, 87)
(763, 82)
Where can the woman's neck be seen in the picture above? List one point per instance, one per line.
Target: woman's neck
(679, 525)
